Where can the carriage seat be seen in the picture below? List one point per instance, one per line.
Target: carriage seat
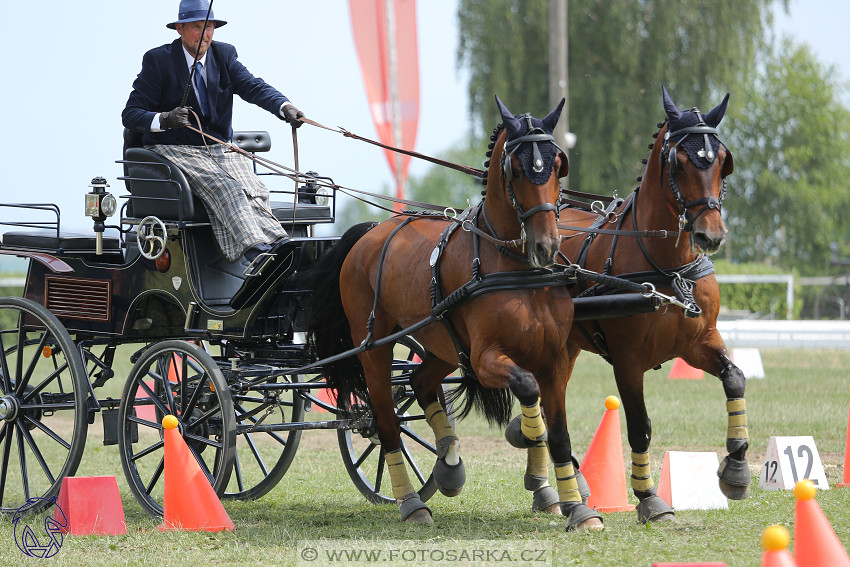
(66, 243)
(159, 188)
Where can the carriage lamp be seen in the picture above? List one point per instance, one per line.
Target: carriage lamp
(312, 192)
(100, 204)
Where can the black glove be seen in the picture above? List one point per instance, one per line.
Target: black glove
(292, 114)
(177, 118)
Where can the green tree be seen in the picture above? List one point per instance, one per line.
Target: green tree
(620, 53)
(792, 139)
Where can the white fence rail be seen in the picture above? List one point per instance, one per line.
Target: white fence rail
(761, 333)
(12, 282)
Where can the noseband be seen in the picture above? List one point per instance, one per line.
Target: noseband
(668, 156)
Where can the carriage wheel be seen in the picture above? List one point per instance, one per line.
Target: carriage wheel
(363, 456)
(43, 405)
(182, 379)
(257, 449)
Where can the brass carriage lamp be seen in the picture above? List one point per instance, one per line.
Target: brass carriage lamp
(100, 205)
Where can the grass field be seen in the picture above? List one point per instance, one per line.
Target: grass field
(804, 393)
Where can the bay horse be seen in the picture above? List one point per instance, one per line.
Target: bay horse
(381, 278)
(681, 190)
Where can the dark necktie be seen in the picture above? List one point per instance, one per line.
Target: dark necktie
(202, 89)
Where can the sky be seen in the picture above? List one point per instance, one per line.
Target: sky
(68, 71)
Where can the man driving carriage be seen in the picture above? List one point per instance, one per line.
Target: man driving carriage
(236, 200)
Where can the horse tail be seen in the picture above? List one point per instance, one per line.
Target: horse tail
(495, 404)
(328, 331)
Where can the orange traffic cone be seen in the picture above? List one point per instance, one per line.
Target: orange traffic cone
(603, 466)
(683, 370)
(774, 540)
(190, 502)
(846, 481)
(815, 542)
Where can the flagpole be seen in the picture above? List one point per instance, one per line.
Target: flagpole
(395, 103)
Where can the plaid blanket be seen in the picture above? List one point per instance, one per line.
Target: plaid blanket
(236, 200)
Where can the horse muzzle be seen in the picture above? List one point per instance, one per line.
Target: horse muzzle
(542, 253)
(707, 241)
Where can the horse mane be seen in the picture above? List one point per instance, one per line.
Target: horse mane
(493, 137)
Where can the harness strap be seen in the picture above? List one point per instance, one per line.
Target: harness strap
(437, 296)
(370, 323)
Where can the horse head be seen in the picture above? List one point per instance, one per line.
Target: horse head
(697, 163)
(523, 188)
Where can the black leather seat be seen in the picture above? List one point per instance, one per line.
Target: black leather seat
(159, 188)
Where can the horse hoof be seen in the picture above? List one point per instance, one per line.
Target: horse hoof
(581, 518)
(546, 500)
(420, 517)
(654, 509)
(735, 478)
(414, 511)
(733, 492)
(514, 436)
(591, 525)
(449, 478)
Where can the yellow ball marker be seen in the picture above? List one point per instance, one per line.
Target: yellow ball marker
(169, 422)
(805, 490)
(775, 538)
(612, 402)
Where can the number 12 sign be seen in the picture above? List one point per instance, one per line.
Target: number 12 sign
(790, 459)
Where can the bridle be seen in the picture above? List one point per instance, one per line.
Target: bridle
(535, 135)
(668, 157)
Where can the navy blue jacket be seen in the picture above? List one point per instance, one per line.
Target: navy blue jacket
(162, 80)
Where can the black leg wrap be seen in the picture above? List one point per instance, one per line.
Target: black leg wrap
(735, 478)
(545, 499)
(577, 513)
(531, 482)
(514, 436)
(450, 479)
(651, 508)
(412, 504)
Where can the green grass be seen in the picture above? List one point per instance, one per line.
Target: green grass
(804, 393)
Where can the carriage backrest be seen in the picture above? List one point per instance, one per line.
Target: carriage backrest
(159, 188)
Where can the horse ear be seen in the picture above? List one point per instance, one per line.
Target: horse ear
(673, 113)
(714, 117)
(552, 120)
(507, 117)
(565, 166)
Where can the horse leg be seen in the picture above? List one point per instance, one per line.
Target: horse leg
(734, 472)
(449, 472)
(650, 507)
(536, 479)
(376, 367)
(579, 516)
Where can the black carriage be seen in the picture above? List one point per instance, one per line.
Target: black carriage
(157, 281)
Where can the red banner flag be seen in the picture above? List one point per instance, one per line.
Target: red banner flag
(385, 36)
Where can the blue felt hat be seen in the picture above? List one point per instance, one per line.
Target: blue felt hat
(194, 11)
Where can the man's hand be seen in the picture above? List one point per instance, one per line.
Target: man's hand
(292, 114)
(177, 118)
